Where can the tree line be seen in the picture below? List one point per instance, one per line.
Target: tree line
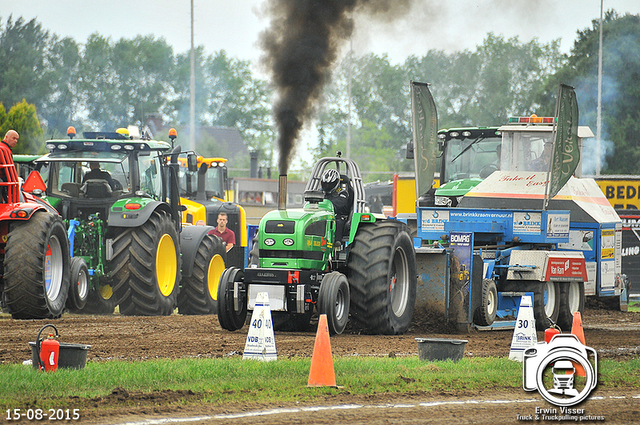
(105, 84)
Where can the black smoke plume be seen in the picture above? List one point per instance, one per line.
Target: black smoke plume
(301, 46)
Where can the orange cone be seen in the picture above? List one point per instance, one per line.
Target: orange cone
(576, 329)
(322, 373)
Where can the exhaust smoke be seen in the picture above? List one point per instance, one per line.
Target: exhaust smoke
(301, 46)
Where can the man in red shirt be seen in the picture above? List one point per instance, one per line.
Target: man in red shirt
(6, 160)
(227, 235)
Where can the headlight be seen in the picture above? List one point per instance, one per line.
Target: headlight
(269, 242)
(288, 242)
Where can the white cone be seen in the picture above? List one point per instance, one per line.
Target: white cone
(261, 343)
(524, 334)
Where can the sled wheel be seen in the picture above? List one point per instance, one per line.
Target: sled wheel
(485, 315)
(571, 300)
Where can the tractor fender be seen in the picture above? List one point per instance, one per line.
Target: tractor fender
(119, 217)
(21, 212)
(190, 239)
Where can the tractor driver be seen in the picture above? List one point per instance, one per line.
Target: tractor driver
(339, 197)
(97, 173)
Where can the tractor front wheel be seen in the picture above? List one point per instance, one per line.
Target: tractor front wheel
(36, 267)
(79, 287)
(382, 274)
(146, 267)
(230, 318)
(334, 300)
(199, 293)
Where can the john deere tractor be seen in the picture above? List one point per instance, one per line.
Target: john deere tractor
(369, 274)
(119, 196)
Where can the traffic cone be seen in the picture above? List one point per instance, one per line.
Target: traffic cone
(322, 373)
(576, 329)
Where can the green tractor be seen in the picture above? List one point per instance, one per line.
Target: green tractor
(119, 197)
(368, 274)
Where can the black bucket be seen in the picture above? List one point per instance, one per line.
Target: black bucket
(71, 356)
(440, 348)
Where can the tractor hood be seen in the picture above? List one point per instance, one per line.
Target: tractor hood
(297, 238)
(526, 190)
(457, 187)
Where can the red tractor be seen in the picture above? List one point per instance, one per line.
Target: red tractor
(34, 251)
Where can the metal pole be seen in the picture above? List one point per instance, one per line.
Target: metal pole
(599, 108)
(192, 92)
(349, 95)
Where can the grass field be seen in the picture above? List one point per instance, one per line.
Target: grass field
(233, 380)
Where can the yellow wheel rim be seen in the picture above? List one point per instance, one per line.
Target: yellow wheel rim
(105, 291)
(216, 267)
(166, 265)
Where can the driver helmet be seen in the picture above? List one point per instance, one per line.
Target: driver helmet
(330, 180)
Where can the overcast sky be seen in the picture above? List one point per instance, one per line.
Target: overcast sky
(234, 25)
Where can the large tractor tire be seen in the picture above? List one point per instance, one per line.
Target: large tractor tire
(571, 300)
(382, 275)
(36, 268)
(79, 287)
(199, 292)
(230, 318)
(334, 300)
(146, 267)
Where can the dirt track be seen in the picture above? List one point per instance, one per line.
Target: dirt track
(613, 334)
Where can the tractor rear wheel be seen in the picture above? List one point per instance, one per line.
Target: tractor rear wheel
(36, 267)
(79, 287)
(382, 275)
(229, 318)
(199, 292)
(571, 301)
(146, 267)
(334, 301)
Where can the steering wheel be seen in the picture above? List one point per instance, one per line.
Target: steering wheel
(487, 170)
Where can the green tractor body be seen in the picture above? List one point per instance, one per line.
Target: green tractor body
(298, 258)
(128, 246)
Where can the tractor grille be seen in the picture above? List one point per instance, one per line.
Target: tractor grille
(283, 227)
(306, 255)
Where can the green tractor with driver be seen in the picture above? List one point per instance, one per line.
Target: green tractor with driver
(119, 196)
(300, 260)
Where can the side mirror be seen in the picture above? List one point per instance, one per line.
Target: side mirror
(410, 150)
(192, 162)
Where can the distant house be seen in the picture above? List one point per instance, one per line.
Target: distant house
(227, 139)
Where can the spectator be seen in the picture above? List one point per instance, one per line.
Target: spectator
(222, 231)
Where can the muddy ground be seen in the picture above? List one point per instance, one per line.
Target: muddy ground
(613, 334)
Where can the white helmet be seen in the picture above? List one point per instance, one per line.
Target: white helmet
(330, 180)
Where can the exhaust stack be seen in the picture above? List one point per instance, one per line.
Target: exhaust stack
(282, 192)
